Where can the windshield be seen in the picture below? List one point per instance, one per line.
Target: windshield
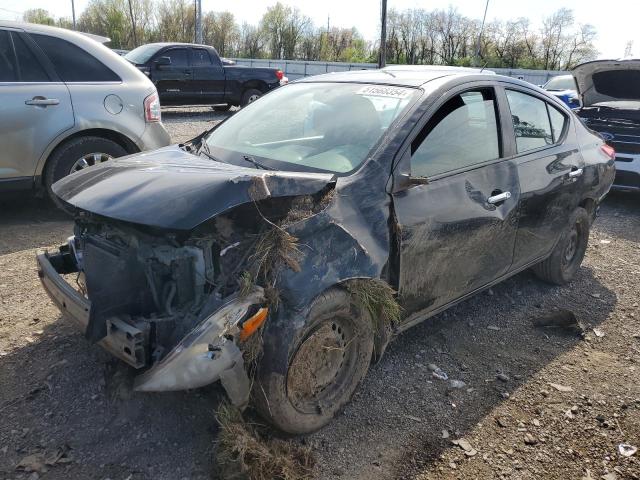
(311, 126)
(563, 82)
(142, 54)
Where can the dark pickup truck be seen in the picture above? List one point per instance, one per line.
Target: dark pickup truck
(191, 74)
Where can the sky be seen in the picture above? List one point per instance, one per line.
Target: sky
(616, 21)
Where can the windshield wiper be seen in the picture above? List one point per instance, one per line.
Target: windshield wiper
(204, 148)
(255, 163)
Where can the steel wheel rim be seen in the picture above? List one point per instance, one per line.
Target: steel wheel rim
(89, 160)
(253, 98)
(319, 370)
(572, 245)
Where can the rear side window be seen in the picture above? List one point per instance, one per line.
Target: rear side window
(8, 67)
(530, 121)
(462, 133)
(72, 63)
(200, 57)
(558, 121)
(29, 66)
(178, 57)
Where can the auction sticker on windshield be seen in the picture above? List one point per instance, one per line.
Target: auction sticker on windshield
(385, 91)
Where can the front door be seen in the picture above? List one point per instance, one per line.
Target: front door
(208, 77)
(35, 107)
(457, 216)
(173, 80)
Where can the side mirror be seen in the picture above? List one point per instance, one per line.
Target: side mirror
(162, 62)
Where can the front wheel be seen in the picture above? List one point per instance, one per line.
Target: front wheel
(327, 359)
(565, 260)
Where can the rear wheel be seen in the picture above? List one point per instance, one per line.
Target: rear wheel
(250, 96)
(327, 361)
(78, 154)
(565, 260)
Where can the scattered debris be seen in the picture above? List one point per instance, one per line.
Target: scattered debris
(502, 377)
(561, 388)
(598, 332)
(33, 463)
(493, 327)
(627, 450)
(457, 384)
(605, 242)
(437, 372)
(415, 419)
(464, 444)
(529, 439)
(535, 422)
(595, 295)
(445, 434)
(243, 453)
(559, 319)
(502, 422)
(610, 476)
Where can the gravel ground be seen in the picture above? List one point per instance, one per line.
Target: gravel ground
(537, 403)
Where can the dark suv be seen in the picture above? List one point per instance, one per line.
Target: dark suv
(191, 74)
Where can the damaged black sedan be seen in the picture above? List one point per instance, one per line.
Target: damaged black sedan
(282, 250)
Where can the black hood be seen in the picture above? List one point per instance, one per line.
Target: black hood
(173, 189)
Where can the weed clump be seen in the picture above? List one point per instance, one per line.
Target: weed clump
(378, 298)
(246, 453)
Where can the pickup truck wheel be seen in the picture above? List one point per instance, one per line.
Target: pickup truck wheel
(563, 263)
(75, 155)
(221, 108)
(327, 360)
(250, 96)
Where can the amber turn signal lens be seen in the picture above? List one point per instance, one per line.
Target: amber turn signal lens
(253, 323)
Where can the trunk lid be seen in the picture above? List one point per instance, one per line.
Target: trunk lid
(608, 81)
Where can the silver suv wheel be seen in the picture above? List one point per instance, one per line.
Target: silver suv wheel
(89, 160)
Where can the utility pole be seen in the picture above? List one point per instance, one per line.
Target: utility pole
(198, 21)
(382, 59)
(73, 13)
(133, 25)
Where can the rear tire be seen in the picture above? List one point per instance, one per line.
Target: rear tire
(250, 96)
(563, 263)
(327, 360)
(68, 158)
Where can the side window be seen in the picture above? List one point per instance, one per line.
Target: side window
(200, 57)
(530, 121)
(558, 121)
(72, 63)
(462, 133)
(8, 67)
(178, 57)
(30, 68)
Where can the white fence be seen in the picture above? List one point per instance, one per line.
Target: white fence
(299, 68)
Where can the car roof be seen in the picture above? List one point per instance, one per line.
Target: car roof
(412, 77)
(176, 44)
(56, 31)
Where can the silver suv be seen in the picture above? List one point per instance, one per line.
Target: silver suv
(68, 102)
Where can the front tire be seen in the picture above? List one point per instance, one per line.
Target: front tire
(75, 155)
(565, 259)
(327, 359)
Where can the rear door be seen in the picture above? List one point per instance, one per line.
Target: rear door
(550, 169)
(457, 215)
(35, 106)
(208, 77)
(173, 81)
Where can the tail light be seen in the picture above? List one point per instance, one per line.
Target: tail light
(609, 151)
(279, 74)
(152, 108)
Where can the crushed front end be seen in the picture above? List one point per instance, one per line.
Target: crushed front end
(167, 302)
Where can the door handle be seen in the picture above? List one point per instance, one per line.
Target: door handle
(42, 101)
(500, 197)
(575, 173)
